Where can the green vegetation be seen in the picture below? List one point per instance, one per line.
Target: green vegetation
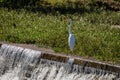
(60, 4)
(1, 0)
(94, 35)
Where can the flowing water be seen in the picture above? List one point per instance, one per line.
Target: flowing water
(17, 63)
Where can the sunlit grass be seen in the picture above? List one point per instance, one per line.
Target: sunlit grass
(93, 33)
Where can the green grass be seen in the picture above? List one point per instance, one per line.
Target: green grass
(93, 33)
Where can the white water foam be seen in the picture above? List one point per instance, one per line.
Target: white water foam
(17, 63)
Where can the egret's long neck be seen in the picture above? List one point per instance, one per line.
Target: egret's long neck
(70, 25)
(70, 29)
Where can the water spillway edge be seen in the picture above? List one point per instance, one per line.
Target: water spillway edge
(63, 58)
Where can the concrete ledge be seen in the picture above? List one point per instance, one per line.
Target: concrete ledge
(82, 62)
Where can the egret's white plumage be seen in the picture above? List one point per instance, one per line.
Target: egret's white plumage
(71, 39)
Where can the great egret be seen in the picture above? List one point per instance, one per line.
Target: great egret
(71, 39)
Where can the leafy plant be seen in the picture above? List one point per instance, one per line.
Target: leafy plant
(93, 32)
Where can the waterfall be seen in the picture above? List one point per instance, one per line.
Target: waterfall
(17, 63)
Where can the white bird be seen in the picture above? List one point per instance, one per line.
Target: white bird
(71, 39)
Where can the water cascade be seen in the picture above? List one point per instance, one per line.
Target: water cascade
(17, 63)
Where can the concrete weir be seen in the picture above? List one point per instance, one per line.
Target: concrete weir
(26, 64)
